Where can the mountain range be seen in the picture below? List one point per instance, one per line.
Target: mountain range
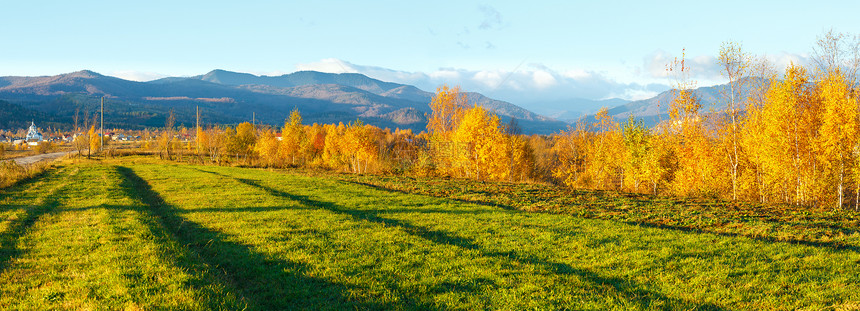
(656, 109)
(226, 97)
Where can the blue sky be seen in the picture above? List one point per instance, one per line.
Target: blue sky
(522, 51)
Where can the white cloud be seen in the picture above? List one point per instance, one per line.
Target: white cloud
(577, 74)
(490, 79)
(532, 85)
(140, 76)
(445, 74)
(269, 73)
(705, 69)
(543, 79)
(634, 93)
(700, 67)
(330, 65)
(784, 59)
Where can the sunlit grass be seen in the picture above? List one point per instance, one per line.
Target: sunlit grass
(134, 233)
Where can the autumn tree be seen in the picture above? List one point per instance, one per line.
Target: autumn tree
(359, 146)
(606, 166)
(332, 156)
(266, 147)
(486, 151)
(835, 51)
(698, 167)
(787, 126)
(573, 151)
(81, 140)
(93, 140)
(448, 107)
(733, 63)
(838, 134)
(199, 138)
(215, 143)
(637, 148)
(167, 136)
(315, 143)
(543, 157)
(242, 142)
(293, 138)
(751, 184)
(521, 161)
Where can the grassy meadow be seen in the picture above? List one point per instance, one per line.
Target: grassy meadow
(136, 233)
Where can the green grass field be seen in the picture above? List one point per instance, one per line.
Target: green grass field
(137, 234)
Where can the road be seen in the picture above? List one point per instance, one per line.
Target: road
(39, 157)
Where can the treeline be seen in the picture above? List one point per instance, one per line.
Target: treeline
(784, 137)
(473, 144)
(796, 142)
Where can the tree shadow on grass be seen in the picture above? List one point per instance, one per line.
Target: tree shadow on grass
(265, 283)
(834, 245)
(630, 291)
(9, 239)
(476, 202)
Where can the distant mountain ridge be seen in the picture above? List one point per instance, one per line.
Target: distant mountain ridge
(230, 97)
(361, 82)
(656, 109)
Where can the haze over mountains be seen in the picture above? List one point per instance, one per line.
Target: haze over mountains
(229, 98)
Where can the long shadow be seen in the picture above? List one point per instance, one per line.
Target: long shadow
(476, 202)
(642, 298)
(387, 210)
(265, 283)
(9, 238)
(834, 245)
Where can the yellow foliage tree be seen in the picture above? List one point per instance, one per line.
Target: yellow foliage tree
(315, 143)
(293, 138)
(242, 143)
(359, 146)
(521, 159)
(448, 107)
(573, 148)
(607, 165)
(267, 147)
(487, 151)
(637, 148)
(789, 121)
(93, 140)
(332, 156)
(838, 132)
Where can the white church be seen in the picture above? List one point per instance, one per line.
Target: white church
(33, 135)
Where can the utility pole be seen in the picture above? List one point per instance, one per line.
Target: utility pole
(102, 126)
(197, 130)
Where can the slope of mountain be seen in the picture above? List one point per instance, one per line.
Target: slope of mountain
(229, 97)
(656, 109)
(299, 82)
(300, 78)
(573, 108)
(13, 116)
